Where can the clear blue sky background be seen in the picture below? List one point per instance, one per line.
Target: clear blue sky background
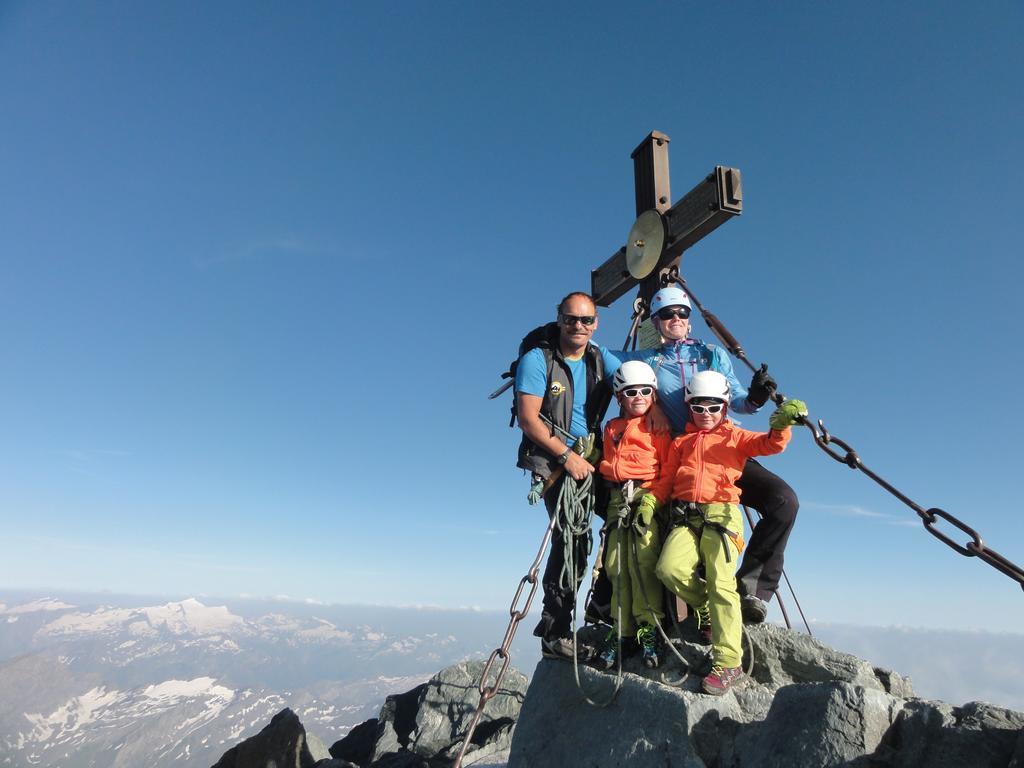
(261, 264)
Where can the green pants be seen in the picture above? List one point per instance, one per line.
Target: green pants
(635, 588)
(677, 569)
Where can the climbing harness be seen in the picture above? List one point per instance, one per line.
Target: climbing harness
(975, 547)
(682, 514)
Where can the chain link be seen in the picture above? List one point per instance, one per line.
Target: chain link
(975, 547)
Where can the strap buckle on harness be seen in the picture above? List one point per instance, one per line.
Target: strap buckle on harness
(683, 512)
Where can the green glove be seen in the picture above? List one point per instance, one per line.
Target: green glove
(648, 506)
(587, 448)
(787, 414)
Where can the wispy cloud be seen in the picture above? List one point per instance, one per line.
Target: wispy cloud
(848, 510)
(909, 520)
(257, 249)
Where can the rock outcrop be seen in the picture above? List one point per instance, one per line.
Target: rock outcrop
(804, 704)
(425, 726)
(282, 743)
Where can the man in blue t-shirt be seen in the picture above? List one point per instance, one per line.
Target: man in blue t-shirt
(561, 395)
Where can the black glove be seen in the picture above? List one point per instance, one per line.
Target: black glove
(762, 387)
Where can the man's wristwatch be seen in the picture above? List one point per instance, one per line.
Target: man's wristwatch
(564, 457)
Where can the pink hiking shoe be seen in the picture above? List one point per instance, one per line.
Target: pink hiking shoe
(721, 679)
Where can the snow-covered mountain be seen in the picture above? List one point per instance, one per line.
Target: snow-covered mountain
(175, 683)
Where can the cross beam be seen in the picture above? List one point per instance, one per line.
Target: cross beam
(701, 211)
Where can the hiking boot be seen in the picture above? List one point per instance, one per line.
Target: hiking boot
(597, 613)
(703, 616)
(647, 637)
(562, 648)
(753, 609)
(721, 679)
(607, 655)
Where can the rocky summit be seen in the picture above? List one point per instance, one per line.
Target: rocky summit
(802, 704)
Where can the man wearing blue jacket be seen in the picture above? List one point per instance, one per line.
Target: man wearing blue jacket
(675, 362)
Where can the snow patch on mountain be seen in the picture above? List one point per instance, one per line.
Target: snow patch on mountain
(102, 710)
(36, 606)
(188, 617)
(192, 617)
(201, 686)
(69, 717)
(324, 631)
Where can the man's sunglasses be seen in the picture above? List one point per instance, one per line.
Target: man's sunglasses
(668, 313)
(714, 408)
(571, 320)
(635, 391)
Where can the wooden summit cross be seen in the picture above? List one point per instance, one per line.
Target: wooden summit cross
(661, 233)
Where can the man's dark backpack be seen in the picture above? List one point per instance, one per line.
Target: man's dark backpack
(544, 337)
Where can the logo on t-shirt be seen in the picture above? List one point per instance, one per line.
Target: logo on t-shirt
(557, 388)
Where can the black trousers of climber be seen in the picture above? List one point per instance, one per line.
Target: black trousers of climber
(559, 600)
(769, 494)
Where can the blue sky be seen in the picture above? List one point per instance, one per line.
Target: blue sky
(262, 264)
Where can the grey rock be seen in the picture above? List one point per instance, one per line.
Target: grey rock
(333, 762)
(1017, 761)
(894, 683)
(317, 748)
(647, 724)
(402, 759)
(432, 719)
(783, 657)
(282, 744)
(358, 744)
(938, 735)
(824, 724)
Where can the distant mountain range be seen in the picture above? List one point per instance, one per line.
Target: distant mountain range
(88, 680)
(116, 684)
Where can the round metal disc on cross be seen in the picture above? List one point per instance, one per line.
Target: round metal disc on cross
(645, 244)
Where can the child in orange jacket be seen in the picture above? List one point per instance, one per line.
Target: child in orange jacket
(633, 454)
(705, 526)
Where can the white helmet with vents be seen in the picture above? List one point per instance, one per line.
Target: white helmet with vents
(634, 373)
(710, 384)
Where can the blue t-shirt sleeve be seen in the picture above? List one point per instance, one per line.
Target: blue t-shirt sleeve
(613, 358)
(532, 373)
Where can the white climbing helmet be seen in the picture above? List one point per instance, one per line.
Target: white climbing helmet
(669, 297)
(634, 373)
(707, 384)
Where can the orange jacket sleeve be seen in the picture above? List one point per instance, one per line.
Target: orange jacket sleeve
(763, 443)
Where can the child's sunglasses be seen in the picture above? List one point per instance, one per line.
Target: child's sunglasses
(714, 408)
(634, 391)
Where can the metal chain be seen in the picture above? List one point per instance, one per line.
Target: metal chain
(503, 651)
(975, 547)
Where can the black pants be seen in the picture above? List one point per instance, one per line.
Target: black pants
(769, 494)
(560, 599)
